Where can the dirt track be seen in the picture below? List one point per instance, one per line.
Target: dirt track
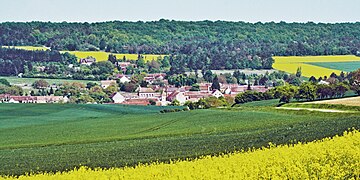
(352, 101)
(313, 109)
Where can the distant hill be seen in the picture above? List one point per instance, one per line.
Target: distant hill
(195, 45)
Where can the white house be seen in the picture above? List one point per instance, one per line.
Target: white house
(227, 90)
(177, 95)
(216, 93)
(124, 79)
(12, 100)
(118, 98)
(323, 82)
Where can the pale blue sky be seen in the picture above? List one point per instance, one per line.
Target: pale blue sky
(194, 10)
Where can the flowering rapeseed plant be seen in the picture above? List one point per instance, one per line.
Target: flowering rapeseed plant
(330, 158)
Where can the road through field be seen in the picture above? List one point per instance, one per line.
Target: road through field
(352, 101)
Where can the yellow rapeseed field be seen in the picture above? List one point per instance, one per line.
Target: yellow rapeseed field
(103, 56)
(291, 63)
(330, 158)
(98, 55)
(30, 48)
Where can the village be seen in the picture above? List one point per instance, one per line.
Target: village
(151, 95)
(163, 96)
(157, 90)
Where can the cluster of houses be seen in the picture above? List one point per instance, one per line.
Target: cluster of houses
(7, 98)
(122, 65)
(163, 96)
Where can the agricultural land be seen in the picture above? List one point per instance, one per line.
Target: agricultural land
(298, 161)
(179, 99)
(58, 137)
(310, 65)
(103, 56)
(98, 55)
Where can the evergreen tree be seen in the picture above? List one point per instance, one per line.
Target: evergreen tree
(313, 79)
(298, 72)
(51, 91)
(215, 83)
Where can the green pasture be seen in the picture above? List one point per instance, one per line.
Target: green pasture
(17, 80)
(342, 66)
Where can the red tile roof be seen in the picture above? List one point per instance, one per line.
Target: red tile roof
(142, 102)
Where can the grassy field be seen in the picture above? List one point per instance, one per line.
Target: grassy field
(15, 80)
(291, 63)
(56, 137)
(342, 66)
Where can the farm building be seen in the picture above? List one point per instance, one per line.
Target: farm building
(124, 65)
(117, 98)
(87, 61)
(6, 98)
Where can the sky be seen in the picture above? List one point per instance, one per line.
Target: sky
(327, 11)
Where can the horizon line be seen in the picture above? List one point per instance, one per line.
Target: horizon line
(204, 20)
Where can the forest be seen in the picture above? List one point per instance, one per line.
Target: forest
(192, 45)
(15, 61)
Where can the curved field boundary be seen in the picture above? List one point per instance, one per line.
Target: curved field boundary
(352, 101)
(314, 109)
(291, 63)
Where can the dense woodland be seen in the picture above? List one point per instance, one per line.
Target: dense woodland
(15, 61)
(193, 45)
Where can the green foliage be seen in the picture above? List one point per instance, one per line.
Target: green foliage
(128, 87)
(4, 82)
(85, 98)
(40, 84)
(355, 81)
(307, 91)
(285, 93)
(210, 102)
(208, 75)
(250, 96)
(12, 90)
(182, 80)
(15, 61)
(262, 103)
(175, 103)
(192, 45)
(195, 87)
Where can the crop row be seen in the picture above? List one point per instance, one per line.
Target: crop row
(330, 158)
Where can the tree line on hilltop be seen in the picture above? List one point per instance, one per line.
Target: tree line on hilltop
(192, 45)
(14, 61)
